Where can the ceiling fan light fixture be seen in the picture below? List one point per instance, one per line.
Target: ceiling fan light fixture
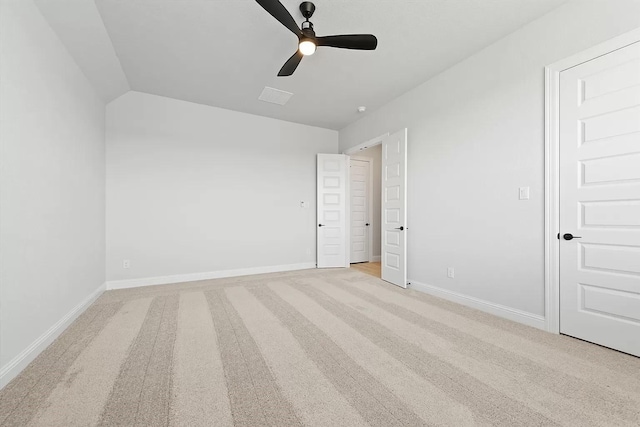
(307, 40)
(307, 47)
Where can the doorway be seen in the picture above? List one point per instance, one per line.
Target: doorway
(393, 204)
(365, 210)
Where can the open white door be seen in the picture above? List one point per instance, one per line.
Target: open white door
(600, 200)
(394, 208)
(332, 210)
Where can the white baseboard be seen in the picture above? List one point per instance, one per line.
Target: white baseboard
(18, 363)
(376, 258)
(489, 307)
(192, 277)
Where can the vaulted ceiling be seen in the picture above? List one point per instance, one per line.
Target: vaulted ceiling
(224, 52)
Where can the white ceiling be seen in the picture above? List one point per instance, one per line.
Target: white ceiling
(224, 52)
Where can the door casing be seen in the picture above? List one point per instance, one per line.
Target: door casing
(352, 152)
(552, 168)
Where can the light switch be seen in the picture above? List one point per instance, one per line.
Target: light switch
(524, 193)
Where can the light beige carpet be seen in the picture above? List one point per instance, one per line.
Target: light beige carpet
(313, 348)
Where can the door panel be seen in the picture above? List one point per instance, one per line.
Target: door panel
(394, 208)
(331, 214)
(360, 175)
(600, 200)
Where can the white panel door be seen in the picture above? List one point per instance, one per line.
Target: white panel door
(359, 189)
(332, 210)
(394, 208)
(600, 200)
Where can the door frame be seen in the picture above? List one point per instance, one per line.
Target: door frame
(350, 152)
(552, 168)
(370, 207)
(367, 144)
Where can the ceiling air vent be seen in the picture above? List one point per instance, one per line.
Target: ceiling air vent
(274, 96)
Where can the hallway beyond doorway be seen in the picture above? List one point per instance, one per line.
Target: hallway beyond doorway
(370, 268)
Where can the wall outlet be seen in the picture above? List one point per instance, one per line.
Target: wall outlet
(450, 273)
(308, 251)
(126, 263)
(303, 205)
(523, 193)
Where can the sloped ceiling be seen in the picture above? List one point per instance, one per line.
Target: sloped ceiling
(79, 25)
(224, 52)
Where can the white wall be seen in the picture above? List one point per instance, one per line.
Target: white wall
(476, 134)
(52, 182)
(198, 189)
(375, 154)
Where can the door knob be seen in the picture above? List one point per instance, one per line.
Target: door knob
(569, 236)
(320, 225)
(367, 224)
(400, 228)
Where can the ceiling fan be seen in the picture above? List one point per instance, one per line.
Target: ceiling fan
(307, 40)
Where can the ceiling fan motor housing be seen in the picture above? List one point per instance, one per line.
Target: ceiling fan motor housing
(307, 8)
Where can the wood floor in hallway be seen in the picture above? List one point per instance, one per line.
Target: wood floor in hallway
(370, 268)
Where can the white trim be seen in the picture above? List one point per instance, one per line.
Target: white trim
(551, 202)
(376, 258)
(22, 360)
(370, 219)
(516, 315)
(552, 168)
(192, 277)
(367, 144)
(347, 211)
(370, 197)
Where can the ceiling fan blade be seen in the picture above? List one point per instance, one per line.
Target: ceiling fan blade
(349, 41)
(278, 11)
(290, 66)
